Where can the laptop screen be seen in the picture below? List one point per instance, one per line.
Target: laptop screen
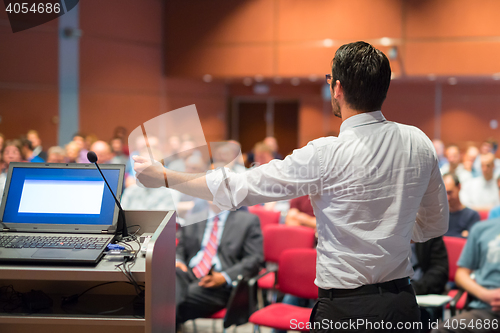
(58, 195)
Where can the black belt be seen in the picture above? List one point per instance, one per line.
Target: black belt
(378, 288)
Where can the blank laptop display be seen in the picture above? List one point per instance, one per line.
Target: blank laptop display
(58, 201)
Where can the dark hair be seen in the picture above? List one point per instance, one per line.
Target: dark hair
(364, 73)
(454, 177)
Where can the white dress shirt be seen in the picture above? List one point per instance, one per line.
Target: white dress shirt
(373, 189)
(480, 193)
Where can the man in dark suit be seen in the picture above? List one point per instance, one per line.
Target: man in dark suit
(210, 255)
(431, 267)
(430, 263)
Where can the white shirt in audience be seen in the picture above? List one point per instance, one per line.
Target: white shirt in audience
(480, 194)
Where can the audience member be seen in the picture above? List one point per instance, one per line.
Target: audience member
(229, 245)
(122, 133)
(486, 147)
(272, 143)
(439, 146)
(103, 152)
(187, 149)
(79, 139)
(36, 143)
(56, 154)
(452, 154)
(12, 152)
(301, 213)
(2, 142)
(73, 152)
(117, 149)
(28, 152)
(495, 212)
(481, 193)
(228, 154)
(480, 255)
(430, 266)
(461, 217)
(466, 172)
(262, 154)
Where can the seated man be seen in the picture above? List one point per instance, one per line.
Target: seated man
(461, 217)
(481, 193)
(430, 264)
(301, 213)
(210, 255)
(481, 254)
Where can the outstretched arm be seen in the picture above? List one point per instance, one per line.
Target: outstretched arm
(153, 174)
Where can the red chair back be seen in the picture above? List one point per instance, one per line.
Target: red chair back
(483, 214)
(454, 246)
(297, 273)
(278, 238)
(266, 217)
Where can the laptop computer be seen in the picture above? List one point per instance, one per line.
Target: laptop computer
(58, 212)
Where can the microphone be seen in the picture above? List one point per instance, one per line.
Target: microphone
(122, 225)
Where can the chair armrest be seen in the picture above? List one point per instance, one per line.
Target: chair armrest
(238, 308)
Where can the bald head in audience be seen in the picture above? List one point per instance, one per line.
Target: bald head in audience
(488, 165)
(102, 150)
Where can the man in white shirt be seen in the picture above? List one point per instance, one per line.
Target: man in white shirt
(374, 190)
(481, 193)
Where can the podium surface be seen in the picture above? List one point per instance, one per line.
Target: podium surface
(110, 307)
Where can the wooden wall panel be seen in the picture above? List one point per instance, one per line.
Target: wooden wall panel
(300, 20)
(452, 58)
(222, 61)
(210, 100)
(114, 65)
(125, 20)
(452, 18)
(102, 112)
(467, 112)
(28, 57)
(25, 109)
(412, 104)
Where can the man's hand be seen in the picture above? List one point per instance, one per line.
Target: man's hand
(150, 174)
(492, 297)
(212, 281)
(180, 265)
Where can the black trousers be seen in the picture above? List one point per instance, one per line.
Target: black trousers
(193, 301)
(393, 310)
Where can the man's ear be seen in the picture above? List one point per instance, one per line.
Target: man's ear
(338, 91)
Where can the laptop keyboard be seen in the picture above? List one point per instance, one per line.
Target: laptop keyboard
(53, 242)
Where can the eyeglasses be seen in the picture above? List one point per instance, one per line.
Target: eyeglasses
(328, 78)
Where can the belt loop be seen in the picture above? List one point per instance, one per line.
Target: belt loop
(331, 295)
(379, 289)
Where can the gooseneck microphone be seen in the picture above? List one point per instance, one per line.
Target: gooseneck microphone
(122, 225)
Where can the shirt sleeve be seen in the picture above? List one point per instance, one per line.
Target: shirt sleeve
(470, 257)
(298, 174)
(433, 214)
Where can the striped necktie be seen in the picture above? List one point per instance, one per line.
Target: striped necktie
(209, 252)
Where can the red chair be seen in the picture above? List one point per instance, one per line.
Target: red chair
(483, 214)
(266, 217)
(454, 247)
(296, 277)
(278, 238)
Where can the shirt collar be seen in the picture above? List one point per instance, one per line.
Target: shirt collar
(361, 119)
(222, 215)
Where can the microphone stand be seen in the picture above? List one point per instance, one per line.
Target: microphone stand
(122, 224)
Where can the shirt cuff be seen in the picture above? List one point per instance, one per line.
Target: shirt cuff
(228, 279)
(217, 181)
